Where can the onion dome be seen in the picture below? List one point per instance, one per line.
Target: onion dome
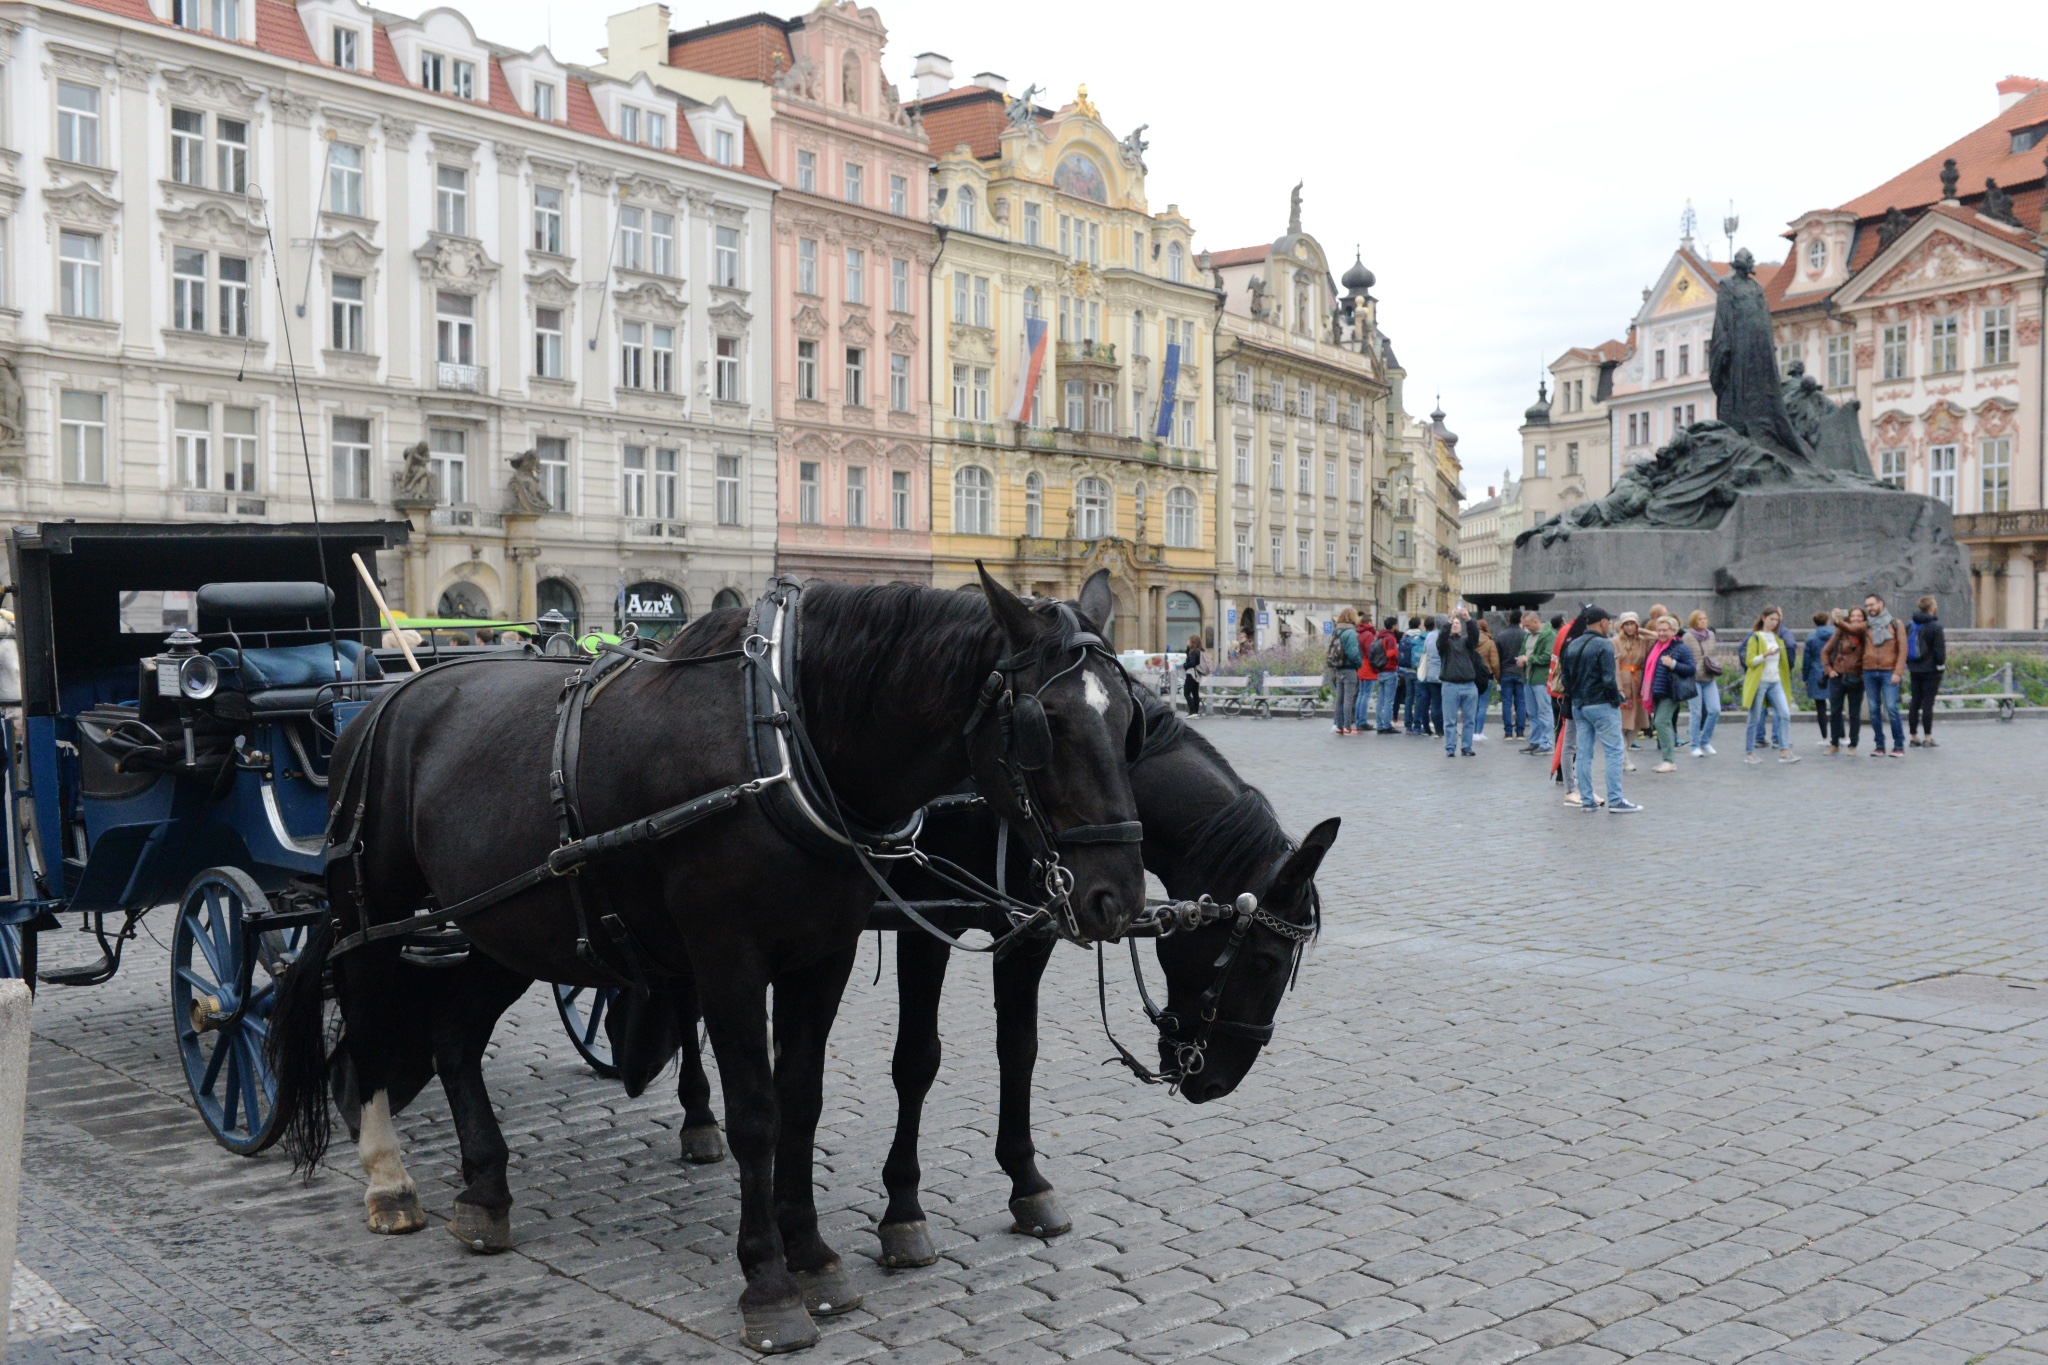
(1539, 411)
(1358, 279)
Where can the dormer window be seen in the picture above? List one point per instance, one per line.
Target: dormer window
(1816, 256)
(1176, 262)
(629, 124)
(544, 100)
(645, 126)
(725, 147)
(221, 18)
(433, 71)
(963, 207)
(347, 49)
(447, 75)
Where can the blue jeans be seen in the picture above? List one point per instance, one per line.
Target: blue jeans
(1770, 692)
(1601, 724)
(1411, 714)
(1361, 709)
(1433, 707)
(1882, 690)
(1485, 700)
(1390, 691)
(1514, 708)
(1706, 712)
(1541, 713)
(1460, 700)
(1345, 683)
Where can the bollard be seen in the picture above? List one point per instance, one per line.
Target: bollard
(14, 1021)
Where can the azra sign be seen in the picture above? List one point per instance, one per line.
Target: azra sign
(664, 605)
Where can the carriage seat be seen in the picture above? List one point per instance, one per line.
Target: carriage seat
(289, 677)
(265, 599)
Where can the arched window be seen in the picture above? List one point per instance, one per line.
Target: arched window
(974, 502)
(727, 597)
(559, 594)
(1183, 616)
(1091, 509)
(1032, 306)
(963, 207)
(1034, 505)
(1180, 519)
(464, 601)
(1176, 262)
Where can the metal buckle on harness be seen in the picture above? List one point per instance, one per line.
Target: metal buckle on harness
(567, 860)
(755, 647)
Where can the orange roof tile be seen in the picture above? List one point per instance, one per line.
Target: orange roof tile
(127, 9)
(1238, 255)
(744, 49)
(1986, 151)
(279, 30)
(973, 114)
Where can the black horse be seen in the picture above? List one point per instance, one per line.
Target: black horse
(1207, 831)
(451, 791)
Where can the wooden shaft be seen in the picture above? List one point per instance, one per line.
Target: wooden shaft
(397, 631)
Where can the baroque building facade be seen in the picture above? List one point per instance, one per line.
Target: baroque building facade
(1303, 525)
(853, 249)
(1486, 540)
(1073, 370)
(487, 256)
(1567, 447)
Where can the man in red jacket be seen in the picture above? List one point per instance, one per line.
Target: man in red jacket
(1378, 680)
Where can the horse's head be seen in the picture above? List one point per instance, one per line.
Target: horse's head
(1224, 980)
(1055, 732)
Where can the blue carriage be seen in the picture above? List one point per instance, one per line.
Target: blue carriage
(181, 690)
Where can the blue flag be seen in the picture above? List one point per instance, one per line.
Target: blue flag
(1169, 376)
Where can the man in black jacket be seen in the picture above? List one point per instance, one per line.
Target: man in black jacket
(1589, 681)
(1457, 648)
(1926, 660)
(1514, 710)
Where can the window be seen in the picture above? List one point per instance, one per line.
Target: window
(974, 502)
(1894, 351)
(544, 100)
(960, 391)
(1034, 505)
(981, 394)
(2026, 139)
(1357, 481)
(345, 179)
(728, 490)
(1995, 455)
(231, 152)
(1033, 304)
(78, 124)
(899, 195)
(1278, 560)
(668, 484)
(192, 442)
(1102, 407)
(981, 309)
(1840, 362)
(807, 172)
(806, 265)
(450, 451)
(238, 449)
(1891, 467)
(1542, 454)
(726, 263)
(547, 343)
(633, 481)
(1180, 519)
(462, 80)
(1657, 361)
(1788, 351)
(234, 296)
(1677, 417)
(857, 377)
(725, 147)
(1941, 474)
(898, 383)
(1243, 381)
(726, 367)
(433, 68)
(346, 49)
(188, 147)
(899, 285)
(1175, 262)
(1242, 551)
(1241, 464)
(1187, 424)
(347, 329)
(959, 297)
(1684, 360)
(629, 123)
(632, 238)
(857, 495)
(963, 208)
(1091, 509)
(1941, 345)
(547, 219)
(553, 452)
(1276, 476)
(82, 436)
(349, 451)
(451, 201)
(1077, 397)
(188, 290)
(807, 370)
(899, 500)
(455, 328)
(633, 355)
(1351, 559)
(856, 182)
(1304, 477)
(807, 492)
(1329, 478)
(1301, 555)
(1066, 236)
(1571, 449)
(661, 243)
(856, 275)
(1329, 556)
(1034, 229)
(1998, 336)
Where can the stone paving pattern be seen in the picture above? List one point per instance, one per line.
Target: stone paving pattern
(1563, 1087)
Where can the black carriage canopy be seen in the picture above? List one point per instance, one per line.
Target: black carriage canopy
(96, 596)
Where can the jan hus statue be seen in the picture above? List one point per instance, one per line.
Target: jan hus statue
(1742, 362)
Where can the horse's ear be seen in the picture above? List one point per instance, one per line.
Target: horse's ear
(1096, 602)
(1011, 614)
(1300, 868)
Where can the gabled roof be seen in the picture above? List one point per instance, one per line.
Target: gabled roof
(1239, 255)
(752, 48)
(973, 114)
(1985, 151)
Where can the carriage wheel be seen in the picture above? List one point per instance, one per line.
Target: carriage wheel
(583, 1009)
(224, 1063)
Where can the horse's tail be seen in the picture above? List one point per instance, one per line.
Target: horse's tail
(297, 1051)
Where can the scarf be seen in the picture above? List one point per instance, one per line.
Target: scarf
(1881, 628)
(1657, 651)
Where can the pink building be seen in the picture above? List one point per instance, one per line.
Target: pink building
(853, 249)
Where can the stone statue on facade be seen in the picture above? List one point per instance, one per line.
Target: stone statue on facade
(414, 486)
(524, 492)
(1950, 174)
(801, 79)
(1997, 203)
(1134, 147)
(1894, 224)
(1019, 114)
(12, 406)
(1257, 289)
(1294, 211)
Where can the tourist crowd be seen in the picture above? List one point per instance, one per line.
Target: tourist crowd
(1608, 684)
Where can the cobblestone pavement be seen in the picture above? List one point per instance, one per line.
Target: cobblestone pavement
(1558, 1086)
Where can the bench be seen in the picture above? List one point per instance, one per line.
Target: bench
(1997, 690)
(1227, 695)
(1299, 693)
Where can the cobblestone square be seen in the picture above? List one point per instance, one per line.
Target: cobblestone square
(1553, 1087)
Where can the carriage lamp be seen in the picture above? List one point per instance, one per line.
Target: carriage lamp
(552, 622)
(183, 671)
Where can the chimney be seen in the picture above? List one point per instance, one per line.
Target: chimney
(2013, 89)
(989, 80)
(1489, 490)
(934, 74)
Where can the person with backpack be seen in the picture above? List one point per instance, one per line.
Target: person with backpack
(1377, 677)
(1590, 686)
(1429, 673)
(1814, 669)
(1342, 661)
(1767, 682)
(1411, 684)
(1884, 670)
(1489, 670)
(1457, 650)
(1514, 701)
(1926, 660)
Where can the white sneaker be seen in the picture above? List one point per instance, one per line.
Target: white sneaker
(1710, 749)
(1479, 736)
(1751, 758)
(1572, 800)
(1627, 766)
(1667, 766)
(1699, 753)
(1788, 756)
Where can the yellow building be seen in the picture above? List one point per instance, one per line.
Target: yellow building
(1108, 462)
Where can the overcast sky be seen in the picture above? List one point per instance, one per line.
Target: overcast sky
(1513, 173)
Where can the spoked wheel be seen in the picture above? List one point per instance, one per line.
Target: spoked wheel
(583, 1009)
(223, 1054)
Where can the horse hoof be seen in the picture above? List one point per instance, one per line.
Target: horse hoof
(906, 1246)
(1040, 1215)
(703, 1146)
(828, 1291)
(395, 1214)
(774, 1328)
(481, 1229)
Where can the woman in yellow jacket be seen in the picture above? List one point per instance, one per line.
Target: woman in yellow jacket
(1767, 681)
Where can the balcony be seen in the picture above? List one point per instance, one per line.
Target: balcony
(468, 518)
(1087, 353)
(2027, 525)
(450, 377)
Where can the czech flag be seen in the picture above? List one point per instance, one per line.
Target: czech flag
(1029, 368)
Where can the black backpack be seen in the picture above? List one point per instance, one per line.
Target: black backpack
(1335, 657)
(1376, 654)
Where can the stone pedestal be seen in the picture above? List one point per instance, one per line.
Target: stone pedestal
(522, 549)
(418, 582)
(1802, 549)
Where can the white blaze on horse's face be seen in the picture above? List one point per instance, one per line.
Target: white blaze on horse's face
(1094, 693)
